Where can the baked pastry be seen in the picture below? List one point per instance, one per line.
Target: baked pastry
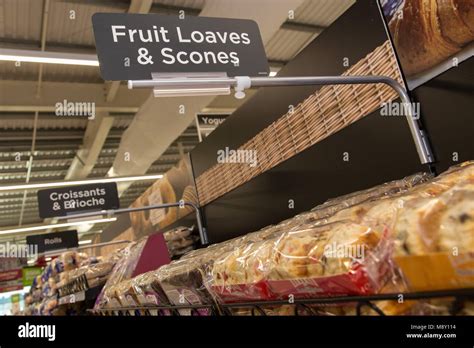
(426, 32)
(427, 225)
(407, 236)
(454, 19)
(230, 269)
(323, 251)
(466, 11)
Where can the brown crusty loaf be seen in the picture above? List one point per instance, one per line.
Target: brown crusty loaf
(452, 17)
(426, 32)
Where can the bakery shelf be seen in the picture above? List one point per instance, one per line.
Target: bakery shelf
(84, 295)
(76, 285)
(300, 305)
(166, 310)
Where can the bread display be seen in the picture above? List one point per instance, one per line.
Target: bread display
(426, 32)
(68, 274)
(126, 294)
(302, 262)
(180, 240)
(148, 290)
(340, 204)
(416, 217)
(452, 219)
(182, 282)
(121, 271)
(358, 244)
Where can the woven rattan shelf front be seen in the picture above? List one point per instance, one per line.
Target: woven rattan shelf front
(319, 116)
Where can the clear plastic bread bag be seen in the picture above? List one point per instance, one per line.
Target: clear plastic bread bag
(126, 294)
(120, 271)
(149, 293)
(183, 281)
(389, 189)
(239, 275)
(340, 258)
(450, 221)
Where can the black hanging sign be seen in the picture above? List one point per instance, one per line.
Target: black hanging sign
(53, 241)
(211, 120)
(74, 199)
(133, 46)
(206, 123)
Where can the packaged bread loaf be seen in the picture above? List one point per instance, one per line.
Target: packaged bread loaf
(342, 248)
(240, 274)
(149, 292)
(108, 298)
(122, 270)
(183, 281)
(338, 258)
(449, 220)
(177, 233)
(414, 215)
(440, 223)
(126, 294)
(335, 205)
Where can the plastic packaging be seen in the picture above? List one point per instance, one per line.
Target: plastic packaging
(340, 258)
(182, 282)
(149, 293)
(389, 189)
(177, 233)
(122, 270)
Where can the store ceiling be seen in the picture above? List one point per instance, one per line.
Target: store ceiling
(31, 90)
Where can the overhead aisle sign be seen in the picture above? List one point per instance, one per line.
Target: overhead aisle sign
(206, 123)
(54, 241)
(133, 46)
(74, 199)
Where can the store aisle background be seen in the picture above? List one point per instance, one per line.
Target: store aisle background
(75, 148)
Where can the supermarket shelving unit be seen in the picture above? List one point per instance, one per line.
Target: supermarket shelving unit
(299, 306)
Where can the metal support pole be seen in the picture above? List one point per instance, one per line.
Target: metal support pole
(111, 212)
(421, 142)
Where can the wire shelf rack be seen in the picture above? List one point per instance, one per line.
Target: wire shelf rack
(299, 306)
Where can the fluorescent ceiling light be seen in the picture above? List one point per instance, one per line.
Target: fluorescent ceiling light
(79, 182)
(190, 92)
(82, 242)
(32, 56)
(90, 232)
(45, 227)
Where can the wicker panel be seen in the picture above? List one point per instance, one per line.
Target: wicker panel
(320, 115)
